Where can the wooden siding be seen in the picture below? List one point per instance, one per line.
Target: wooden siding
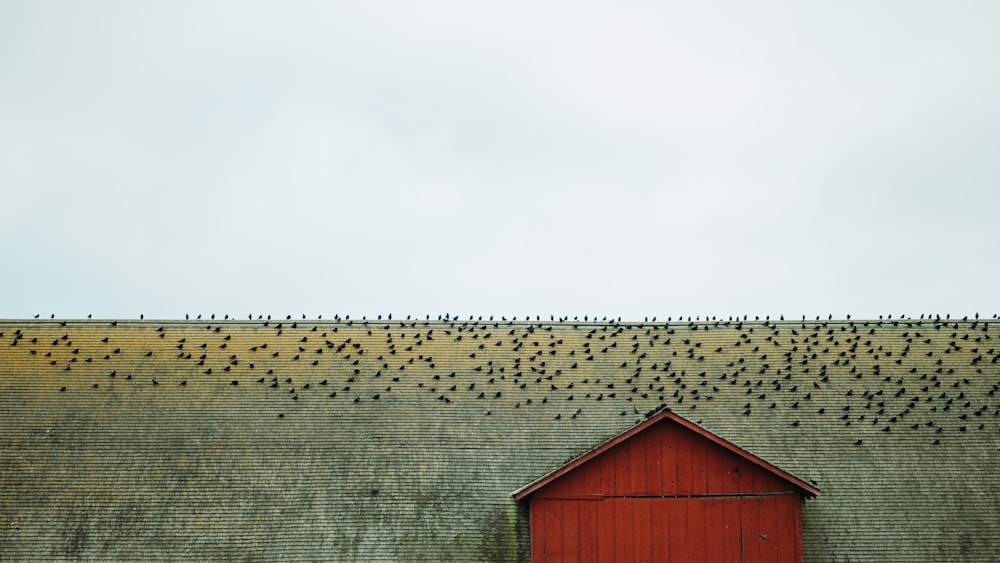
(665, 460)
(708, 529)
(666, 494)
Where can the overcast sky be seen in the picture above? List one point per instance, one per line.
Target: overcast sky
(624, 159)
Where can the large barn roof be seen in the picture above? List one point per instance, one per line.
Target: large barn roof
(401, 440)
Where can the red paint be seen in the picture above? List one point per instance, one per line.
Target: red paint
(667, 493)
(588, 531)
(807, 489)
(605, 542)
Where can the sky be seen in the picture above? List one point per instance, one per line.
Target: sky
(609, 159)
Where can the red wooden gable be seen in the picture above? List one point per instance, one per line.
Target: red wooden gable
(657, 458)
(666, 490)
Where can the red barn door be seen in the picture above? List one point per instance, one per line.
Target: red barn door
(704, 529)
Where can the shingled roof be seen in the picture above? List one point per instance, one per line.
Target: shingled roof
(402, 440)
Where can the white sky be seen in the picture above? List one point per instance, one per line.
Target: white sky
(624, 159)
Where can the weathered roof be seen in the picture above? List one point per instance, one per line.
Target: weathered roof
(398, 440)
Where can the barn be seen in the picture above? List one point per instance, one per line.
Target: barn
(499, 440)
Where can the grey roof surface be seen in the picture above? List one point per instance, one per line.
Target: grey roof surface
(389, 440)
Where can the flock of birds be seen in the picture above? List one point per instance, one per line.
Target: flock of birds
(552, 318)
(936, 376)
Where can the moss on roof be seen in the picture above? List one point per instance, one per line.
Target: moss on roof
(402, 440)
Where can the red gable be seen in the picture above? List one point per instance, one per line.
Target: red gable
(679, 438)
(667, 489)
